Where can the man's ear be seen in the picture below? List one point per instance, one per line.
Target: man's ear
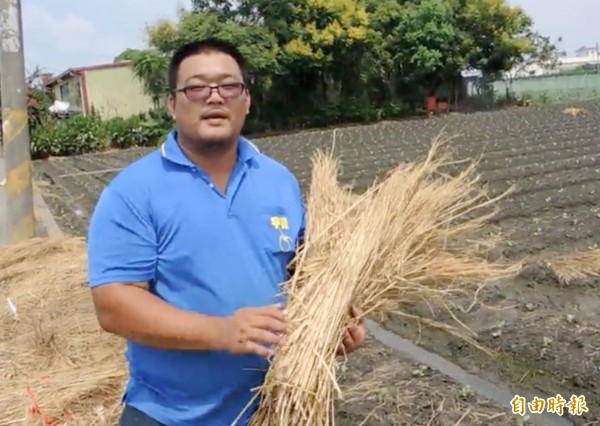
(171, 105)
(248, 102)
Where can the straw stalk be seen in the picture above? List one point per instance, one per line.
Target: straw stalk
(409, 238)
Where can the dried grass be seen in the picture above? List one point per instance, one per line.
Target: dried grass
(56, 363)
(576, 266)
(575, 112)
(409, 238)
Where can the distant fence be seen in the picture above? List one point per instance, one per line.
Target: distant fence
(552, 88)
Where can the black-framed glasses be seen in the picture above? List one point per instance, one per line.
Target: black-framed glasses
(200, 92)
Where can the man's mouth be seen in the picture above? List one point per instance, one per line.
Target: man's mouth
(215, 116)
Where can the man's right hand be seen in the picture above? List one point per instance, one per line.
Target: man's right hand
(252, 330)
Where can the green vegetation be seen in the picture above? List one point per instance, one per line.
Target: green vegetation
(325, 62)
(82, 134)
(317, 63)
(51, 136)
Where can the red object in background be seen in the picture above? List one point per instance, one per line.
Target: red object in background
(431, 104)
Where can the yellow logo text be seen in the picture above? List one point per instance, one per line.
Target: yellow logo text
(279, 222)
(576, 405)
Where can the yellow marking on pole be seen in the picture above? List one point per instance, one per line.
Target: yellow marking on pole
(14, 124)
(18, 179)
(22, 229)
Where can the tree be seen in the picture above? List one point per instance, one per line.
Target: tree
(225, 8)
(319, 62)
(496, 32)
(541, 52)
(127, 55)
(420, 44)
(150, 67)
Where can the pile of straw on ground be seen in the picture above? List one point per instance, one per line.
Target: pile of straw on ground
(57, 366)
(580, 265)
(410, 238)
(407, 239)
(575, 112)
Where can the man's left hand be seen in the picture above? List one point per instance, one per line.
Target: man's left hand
(355, 335)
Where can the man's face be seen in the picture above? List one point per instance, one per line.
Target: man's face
(204, 116)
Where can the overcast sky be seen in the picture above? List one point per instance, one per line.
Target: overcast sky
(68, 33)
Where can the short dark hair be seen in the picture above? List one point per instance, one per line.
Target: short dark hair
(203, 46)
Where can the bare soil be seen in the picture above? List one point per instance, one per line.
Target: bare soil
(381, 389)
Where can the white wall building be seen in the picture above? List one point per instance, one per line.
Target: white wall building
(583, 56)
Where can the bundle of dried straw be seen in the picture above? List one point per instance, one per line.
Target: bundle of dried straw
(56, 364)
(409, 238)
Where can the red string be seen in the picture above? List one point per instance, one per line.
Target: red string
(36, 410)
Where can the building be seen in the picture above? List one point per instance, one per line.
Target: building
(590, 53)
(110, 90)
(584, 57)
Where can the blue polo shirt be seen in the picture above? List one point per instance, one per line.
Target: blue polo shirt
(162, 220)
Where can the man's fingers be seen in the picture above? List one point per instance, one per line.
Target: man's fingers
(357, 313)
(354, 333)
(265, 337)
(347, 339)
(268, 323)
(345, 346)
(255, 348)
(348, 342)
(273, 311)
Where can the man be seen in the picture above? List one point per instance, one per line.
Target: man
(188, 247)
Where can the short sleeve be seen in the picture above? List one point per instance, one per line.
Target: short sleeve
(122, 243)
(302, 231)
(302, 205)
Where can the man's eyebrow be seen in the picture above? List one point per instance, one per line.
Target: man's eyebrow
(207, 76)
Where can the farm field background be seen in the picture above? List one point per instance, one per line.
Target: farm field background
(544, 334)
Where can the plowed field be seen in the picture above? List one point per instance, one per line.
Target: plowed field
(545, 335)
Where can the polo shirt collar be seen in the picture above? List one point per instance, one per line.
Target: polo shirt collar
(171, 151)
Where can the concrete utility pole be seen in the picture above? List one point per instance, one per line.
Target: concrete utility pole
(17, 221)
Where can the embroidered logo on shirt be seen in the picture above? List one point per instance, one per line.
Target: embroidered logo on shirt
(281, 223)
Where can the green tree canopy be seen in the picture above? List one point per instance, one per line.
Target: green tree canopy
(318, 62)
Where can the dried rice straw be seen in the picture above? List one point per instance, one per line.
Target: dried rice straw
(57, 365)
(406, 239)
(581, 265)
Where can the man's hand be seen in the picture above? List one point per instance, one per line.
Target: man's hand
(355, 335)
(253, 330)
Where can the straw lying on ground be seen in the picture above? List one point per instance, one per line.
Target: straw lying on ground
(56, 363)
(409, 238)
(576, 266)
(575, 112)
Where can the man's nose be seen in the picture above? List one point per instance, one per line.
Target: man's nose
(214, 97)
